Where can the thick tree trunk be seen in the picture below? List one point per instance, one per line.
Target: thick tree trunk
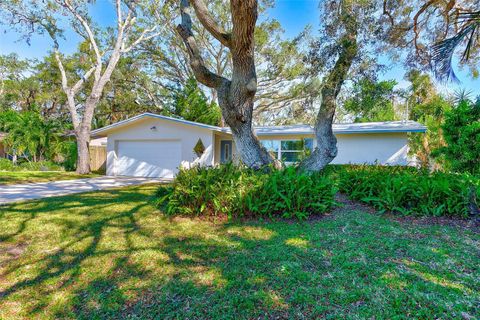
(326, 149)
(83, 160)
(235, 96)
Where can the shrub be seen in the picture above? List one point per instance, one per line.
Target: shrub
(70, 155)
(461, 131)
(236, 192)
(40, 166)
(410, 191)
(6, 165)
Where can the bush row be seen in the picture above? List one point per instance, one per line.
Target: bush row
(7, 165)
(410, 191)
(236, 192)
(231, 191)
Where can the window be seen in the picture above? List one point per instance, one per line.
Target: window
(289, 151)
(272, 146)
(227, 152)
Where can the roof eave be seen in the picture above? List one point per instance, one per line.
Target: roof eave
(102, 132)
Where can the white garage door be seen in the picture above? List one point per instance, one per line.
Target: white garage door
(148, 158)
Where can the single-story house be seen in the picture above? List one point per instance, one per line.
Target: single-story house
(151, 145)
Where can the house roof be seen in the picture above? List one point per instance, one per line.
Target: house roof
(103, 131)
(346, 128)
(302, 129)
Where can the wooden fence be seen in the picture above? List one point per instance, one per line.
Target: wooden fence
(98, 158)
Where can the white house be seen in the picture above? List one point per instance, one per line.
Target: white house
(151, 145)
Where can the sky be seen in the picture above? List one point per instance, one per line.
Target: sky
(294, 15)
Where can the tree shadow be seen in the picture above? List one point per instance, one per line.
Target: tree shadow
(186, 268)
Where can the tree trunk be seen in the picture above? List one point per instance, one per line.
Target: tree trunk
(235, 96)
(83, 160)
(326, 149)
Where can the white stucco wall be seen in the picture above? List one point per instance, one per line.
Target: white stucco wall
(367, 148)
(384, 148)
(187, 135)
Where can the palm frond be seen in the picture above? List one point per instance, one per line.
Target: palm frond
(443, 51)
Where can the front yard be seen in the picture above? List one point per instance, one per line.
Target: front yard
(111, 254)
(19, 177)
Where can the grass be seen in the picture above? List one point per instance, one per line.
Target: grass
(17, 177)
(110, 254)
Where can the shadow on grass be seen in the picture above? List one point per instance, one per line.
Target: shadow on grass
(123, 259)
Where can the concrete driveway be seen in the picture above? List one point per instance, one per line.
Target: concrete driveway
(30, 191)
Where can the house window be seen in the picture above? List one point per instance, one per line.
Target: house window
(227, 152)
(289, 151)
(272, 146)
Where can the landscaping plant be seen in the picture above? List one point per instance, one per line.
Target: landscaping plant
(232, 191)
(410, 191)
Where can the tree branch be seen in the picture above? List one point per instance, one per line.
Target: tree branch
(146, 35)
(62, 71)
(68, 92)
(76, 88)
(201, 72)
(207, 21)
(86, 26)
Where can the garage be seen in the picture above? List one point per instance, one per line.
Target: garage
(154, 158)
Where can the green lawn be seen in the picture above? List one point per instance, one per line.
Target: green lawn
(110, 254)
(14, 177)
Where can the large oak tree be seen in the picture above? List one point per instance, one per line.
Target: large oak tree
(235, 95)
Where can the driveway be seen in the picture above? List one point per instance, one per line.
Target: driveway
(30, 191)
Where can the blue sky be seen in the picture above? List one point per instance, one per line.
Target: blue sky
(294, 15)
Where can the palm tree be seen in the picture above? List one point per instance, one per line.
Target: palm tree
(443, 51)
(31, 136)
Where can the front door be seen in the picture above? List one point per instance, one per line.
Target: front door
(225, 151)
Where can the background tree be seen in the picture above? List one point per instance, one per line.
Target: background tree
(235, 96)
(190, 103)
(129, 92)
(461, 131)
(370, 101)
(106, 50)
(278, 60)
(429, 32)
(30, 136)
(427, 106)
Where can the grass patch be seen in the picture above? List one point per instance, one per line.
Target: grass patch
(18, 177)
(110, 254)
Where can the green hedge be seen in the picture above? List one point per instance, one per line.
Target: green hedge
(7, 165)
(410, 191)
(236, 192)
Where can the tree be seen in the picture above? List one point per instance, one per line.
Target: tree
(279, 65)
(461, 131)
(12, 80)
(235, 96)
(339, 39)
(190, 103)
(30, 135)
(468, 26)
(431, 113)
(428, 107)
(371, 100)
(429, 32)
(129, 92)
(106, 49)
